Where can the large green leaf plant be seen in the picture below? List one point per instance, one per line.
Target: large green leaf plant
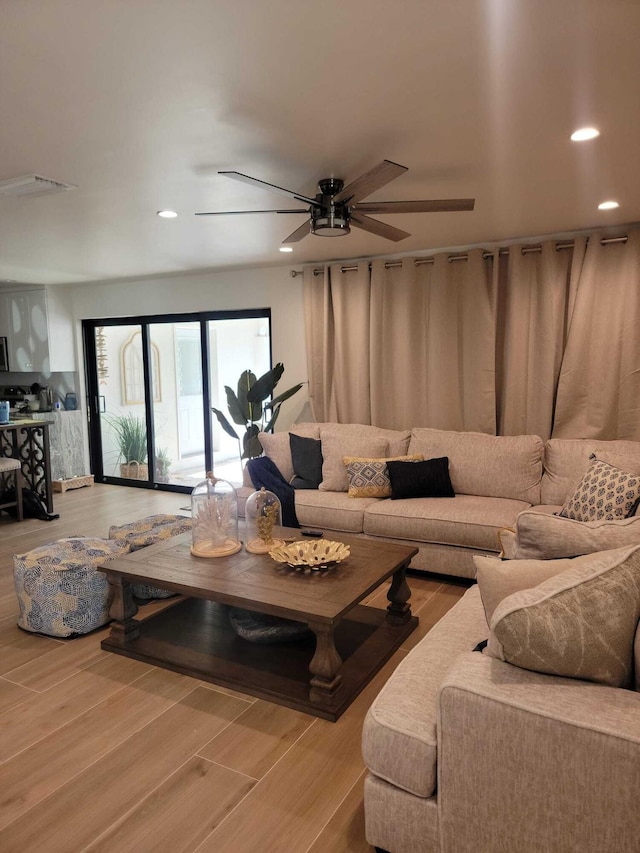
(251, 408)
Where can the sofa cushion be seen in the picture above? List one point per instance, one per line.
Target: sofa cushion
(276, 447)
(427, 479)
(306, 459)
(499, 578)
(369, 478)
(499, 466)
(399, 733)
(567, 459)
(604, 492)
(580, 623)
(551, 537)
(331, 510)
(336, 445)
(465, 520)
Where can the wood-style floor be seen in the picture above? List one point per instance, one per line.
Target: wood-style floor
(102, 753)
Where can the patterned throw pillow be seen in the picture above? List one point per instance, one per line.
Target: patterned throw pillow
(369, 478)
(604, 492)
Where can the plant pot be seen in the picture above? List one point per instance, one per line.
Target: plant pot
(134, 470)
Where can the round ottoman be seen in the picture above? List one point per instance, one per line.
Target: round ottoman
(60, 590)
(147, 531)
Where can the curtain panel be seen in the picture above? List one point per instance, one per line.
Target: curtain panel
(544, 342)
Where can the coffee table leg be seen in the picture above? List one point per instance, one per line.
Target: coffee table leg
(324, 666)
(399, 609)
(123, 609)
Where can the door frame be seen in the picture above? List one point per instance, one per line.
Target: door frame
(89, 327)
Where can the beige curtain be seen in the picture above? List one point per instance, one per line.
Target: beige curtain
(336, 306)
(543, 342)
(599, 387)
(535, 297)
(403, 347)
(432, 362)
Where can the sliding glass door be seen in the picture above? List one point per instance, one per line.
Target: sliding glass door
(151, 384)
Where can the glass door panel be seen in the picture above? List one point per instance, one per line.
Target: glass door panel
(234, 346)
(121, 413)
(178, 410)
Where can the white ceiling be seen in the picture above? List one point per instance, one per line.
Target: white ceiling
(140, 104)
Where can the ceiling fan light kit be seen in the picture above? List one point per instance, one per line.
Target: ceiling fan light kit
(336, 208)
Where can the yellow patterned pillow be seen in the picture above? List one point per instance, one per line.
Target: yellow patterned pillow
(369, 478)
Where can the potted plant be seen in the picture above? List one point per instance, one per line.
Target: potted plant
(131, 437)
(250, 407)
(163, 463)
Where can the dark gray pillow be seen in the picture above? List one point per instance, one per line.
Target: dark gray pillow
(428, 479)
(306, 456)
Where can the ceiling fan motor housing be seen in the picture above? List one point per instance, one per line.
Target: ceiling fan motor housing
(329, 219)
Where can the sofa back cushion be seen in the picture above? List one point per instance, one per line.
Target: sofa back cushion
(494, 466)
(580, 623)
(498, 578)
(277, 448)
(337, 446)
(567, 459)
(539, 536)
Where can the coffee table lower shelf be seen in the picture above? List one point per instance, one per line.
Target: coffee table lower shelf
(194, 637)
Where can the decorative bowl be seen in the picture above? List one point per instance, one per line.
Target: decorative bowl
(315, 554)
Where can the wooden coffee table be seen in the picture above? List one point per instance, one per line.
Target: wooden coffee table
(320, 675)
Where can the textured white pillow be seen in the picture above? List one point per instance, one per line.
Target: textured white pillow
(580, 623)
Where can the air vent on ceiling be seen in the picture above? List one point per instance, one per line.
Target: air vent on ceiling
(32, 185)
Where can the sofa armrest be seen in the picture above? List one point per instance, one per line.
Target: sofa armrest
(532, 762)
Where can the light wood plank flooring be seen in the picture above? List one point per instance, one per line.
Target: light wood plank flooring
(102, 753)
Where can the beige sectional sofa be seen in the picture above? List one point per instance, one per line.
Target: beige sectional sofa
(494, 478)
(469, 754)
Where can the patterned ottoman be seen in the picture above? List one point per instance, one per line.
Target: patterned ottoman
(60, 590)
(147, 531)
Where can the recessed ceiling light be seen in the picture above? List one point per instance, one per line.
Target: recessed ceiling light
(608, 205)
(584, 133)
(286, 249)
(167, 214)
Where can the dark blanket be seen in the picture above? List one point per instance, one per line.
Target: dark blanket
(265, 474)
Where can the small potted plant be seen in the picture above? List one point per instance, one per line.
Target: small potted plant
(131, 437)
(163, 463)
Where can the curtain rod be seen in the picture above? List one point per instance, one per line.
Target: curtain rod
(526, 250)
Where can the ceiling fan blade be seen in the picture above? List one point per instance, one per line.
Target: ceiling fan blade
(247, 179)
(431, 206)
(299, 233)
(237, 212)
(379, 228)
(370, 182)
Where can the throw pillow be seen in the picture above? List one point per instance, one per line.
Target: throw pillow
(499, 578)
(369, 478)
(579, 624)
(551, 537)
(427, 479)
(604, 492)
(335, 446)
(306, 456)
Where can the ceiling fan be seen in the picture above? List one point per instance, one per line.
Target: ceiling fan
(338, 207)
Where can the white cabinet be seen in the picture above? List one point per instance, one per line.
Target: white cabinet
(40, 333)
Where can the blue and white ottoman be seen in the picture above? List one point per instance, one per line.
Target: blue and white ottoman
(148, 531)
(60, 590)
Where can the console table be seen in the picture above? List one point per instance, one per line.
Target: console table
(28, 441)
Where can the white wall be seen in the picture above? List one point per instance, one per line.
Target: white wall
(271, 287)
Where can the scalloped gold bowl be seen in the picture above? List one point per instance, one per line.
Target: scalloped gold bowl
(314, 554)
